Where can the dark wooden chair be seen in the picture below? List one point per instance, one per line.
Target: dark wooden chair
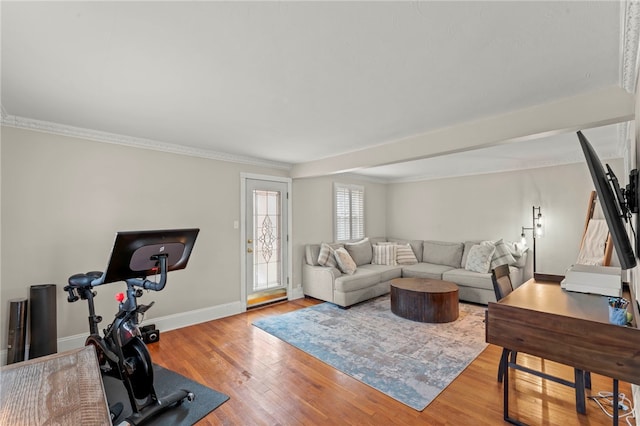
(502, 286)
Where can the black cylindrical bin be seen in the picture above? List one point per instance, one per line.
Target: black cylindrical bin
(44, 327)
(17, 330)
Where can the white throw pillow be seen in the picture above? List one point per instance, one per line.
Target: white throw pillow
(345, 262)
(518, 251)
(384, 254)
(479, 258)
(405, 255)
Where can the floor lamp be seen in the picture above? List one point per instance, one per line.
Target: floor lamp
(538, 232)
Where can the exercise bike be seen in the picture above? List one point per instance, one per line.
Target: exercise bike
(121, 353)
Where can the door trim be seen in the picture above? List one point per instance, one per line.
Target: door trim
(243, 233)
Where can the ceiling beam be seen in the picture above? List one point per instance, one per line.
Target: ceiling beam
(599, 108)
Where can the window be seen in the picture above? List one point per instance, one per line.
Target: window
(349, 212)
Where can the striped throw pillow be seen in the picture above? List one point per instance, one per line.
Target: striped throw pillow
(405, 255)
(502, 254)
(326, 257)
(384, 254)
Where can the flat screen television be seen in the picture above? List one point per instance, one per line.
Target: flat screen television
(133, 252)
(615, 210)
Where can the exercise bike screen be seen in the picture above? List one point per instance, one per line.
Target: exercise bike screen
(133, 252)
(142, 261)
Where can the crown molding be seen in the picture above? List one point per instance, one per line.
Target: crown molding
(99, 136)
(629, 45)
(629, 67)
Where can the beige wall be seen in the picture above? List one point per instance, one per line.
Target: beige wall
(496, 206)
(63, 199)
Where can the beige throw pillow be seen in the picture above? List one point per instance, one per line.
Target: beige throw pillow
(345, 262)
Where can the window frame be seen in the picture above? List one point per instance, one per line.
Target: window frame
(356, 221)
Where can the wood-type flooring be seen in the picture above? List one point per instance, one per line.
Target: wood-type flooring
(272, 383)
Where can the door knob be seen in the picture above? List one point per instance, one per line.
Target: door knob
(249, 250)
(249, 241)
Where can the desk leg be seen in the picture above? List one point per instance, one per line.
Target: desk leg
(505, 386)
(579, 383)
(615, 402)
(505, 402)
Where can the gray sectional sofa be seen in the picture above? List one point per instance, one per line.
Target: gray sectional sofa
(433, 259)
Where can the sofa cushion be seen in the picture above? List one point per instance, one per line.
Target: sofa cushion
(416, 246)
(377, 240)
(362, 278)
(345, 262)
(386, 272)
(469, 279)
(405, 255)
(384, 254)
(479, 258)
(361, 251)
(425, 270)
(442, 253)
(311, 253)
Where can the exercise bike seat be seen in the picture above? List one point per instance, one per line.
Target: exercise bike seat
(83, 280)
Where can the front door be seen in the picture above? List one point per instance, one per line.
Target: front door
(266, 235)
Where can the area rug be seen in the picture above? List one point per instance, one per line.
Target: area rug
(409, 361)
(166, 381)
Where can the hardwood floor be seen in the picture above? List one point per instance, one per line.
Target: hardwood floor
(273, 383)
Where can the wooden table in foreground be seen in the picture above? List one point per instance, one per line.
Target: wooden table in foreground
(61, 389)
(542, 319)
(424, 299)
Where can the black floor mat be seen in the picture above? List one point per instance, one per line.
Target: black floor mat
(165, 382)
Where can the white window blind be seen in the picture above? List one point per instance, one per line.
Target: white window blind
(349, 212)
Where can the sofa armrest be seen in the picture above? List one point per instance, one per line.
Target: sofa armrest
(319, 281)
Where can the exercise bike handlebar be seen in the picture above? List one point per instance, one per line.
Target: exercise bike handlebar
(84, 282)
(152, 285)
(96, 278)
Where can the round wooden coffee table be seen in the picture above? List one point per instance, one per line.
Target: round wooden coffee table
(424, 299)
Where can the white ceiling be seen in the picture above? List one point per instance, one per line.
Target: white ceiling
(289, 83)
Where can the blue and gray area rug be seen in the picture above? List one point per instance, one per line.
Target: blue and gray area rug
(411, 362)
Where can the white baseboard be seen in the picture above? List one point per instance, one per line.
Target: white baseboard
(169, 322)
(296, 293)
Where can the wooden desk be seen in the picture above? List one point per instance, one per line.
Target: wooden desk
(539, 318)
(64, 389)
